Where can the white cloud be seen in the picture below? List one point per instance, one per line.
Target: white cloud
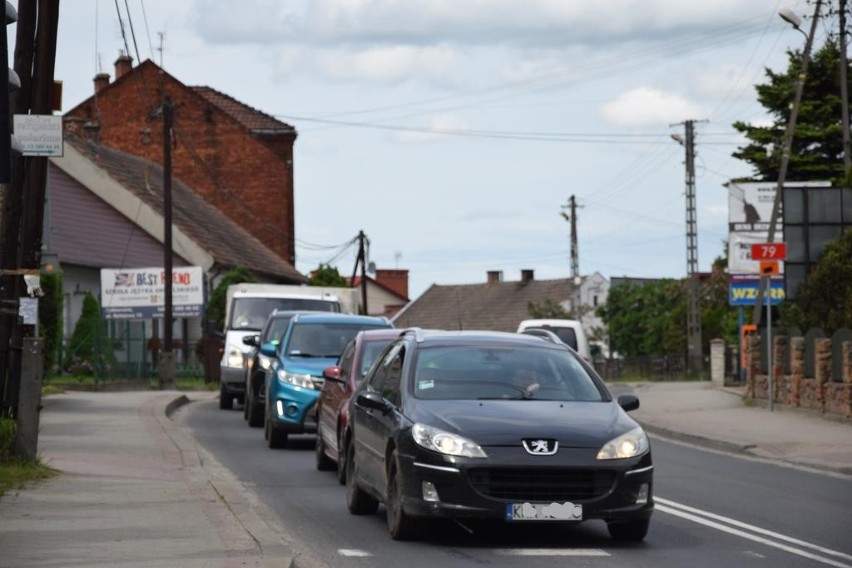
(644, 106)
(386, 64)
(437, 124)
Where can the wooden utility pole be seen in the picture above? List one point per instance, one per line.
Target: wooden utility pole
(23, 200)
(844, 91)
(362, 259)
(167, 362)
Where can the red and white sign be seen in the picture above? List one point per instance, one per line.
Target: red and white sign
(769, 251)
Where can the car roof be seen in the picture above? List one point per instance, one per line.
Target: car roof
(379, 334)
(479, 337)
(332, 317)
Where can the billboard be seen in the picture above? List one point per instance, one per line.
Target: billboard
(742, 291)
(749, 215)
(139, 293)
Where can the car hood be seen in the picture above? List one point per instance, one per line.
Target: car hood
(499, 422)
(308, 365)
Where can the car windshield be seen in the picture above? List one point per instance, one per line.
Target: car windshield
(251, 313)
(276, 329)
(488, 372)
(321, 339)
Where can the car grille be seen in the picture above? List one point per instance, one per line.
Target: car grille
(541, 484)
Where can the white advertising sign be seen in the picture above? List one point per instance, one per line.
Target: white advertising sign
(137, 293)
(39, 134)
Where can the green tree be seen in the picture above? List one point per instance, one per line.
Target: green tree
(90, 350)
(548, 309)
(817, 150)
(824, 299)
(215, 313)
(326, 275)
(50, 319)
(639, 317)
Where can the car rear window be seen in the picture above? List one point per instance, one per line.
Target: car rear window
(566, 334)
(481, 373)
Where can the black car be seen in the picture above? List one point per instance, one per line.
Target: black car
(257, 363)
(494, 425)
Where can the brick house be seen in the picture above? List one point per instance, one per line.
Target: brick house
(105, 210)
(237, 158)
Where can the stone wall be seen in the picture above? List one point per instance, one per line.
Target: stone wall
(822, 393)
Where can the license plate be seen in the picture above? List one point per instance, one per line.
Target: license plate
(544, 512)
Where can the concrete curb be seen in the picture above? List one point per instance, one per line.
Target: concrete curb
(241, 503)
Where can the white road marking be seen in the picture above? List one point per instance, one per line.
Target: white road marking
(738, 528)
(352, 552)
(551, 552)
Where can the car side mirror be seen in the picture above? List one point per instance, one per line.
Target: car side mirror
(371, 399)
(268, 349)
(628, 402)
(251, 340)
(333, 374)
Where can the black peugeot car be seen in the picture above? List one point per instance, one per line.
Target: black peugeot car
(494, 425)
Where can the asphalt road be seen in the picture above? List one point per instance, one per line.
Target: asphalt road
(713, 510)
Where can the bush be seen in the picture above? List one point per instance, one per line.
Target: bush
(7, 438)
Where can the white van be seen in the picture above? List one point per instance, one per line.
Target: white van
(569, 331)
(246, 309)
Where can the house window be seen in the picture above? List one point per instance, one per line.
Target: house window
(594, 300)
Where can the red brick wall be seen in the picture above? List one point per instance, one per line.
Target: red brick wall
(248, 178)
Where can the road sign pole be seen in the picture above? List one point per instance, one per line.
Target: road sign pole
(769, 340)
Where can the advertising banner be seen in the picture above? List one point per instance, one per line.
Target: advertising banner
(139, 293)
(743, 291)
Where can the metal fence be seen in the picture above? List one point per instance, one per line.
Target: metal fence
(650, 367)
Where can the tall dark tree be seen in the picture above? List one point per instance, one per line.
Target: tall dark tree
(817, 150)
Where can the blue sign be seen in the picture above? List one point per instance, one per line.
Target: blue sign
(743, 292)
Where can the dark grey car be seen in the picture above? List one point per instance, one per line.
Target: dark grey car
(498, 426)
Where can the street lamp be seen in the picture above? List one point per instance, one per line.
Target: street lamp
(788, 16)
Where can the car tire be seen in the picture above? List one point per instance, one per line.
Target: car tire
(632, 531)
(254, 413)
(275, 439)
(357, 501)
(400, 525)
(226, 401)
(324, 463)
(245, 411)
(341, 462)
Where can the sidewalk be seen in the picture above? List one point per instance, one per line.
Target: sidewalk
(703, 414)
(136, 491)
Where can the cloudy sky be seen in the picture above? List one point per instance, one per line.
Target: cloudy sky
(454, 132)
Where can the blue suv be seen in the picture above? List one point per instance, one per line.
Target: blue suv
(311, 342)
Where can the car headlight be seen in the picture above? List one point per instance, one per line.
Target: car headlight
(297, 379)
(264, 362)
(445, 443)
(627, 445)
(234, 358)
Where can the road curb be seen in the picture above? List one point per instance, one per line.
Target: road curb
(241, 503)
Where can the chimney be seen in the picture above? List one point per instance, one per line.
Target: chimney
(92, 132)
(495, 276)
(101, 81)
(122, 65)
(396, 280)
(526, 276)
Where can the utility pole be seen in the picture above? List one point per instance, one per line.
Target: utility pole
(575, 253)
(785, 154)
(362, 259)
(844, 94)
(167, 362)
(695, 354)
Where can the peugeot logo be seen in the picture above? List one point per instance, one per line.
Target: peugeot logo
(541, 447)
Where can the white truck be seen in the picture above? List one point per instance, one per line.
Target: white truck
(246, 309)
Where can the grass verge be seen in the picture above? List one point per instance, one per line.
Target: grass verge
(17, 473)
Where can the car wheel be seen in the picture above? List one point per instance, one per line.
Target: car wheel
(324, 463)
(400, 525)
(245, 412)
(357, 501)
(254, 413)
(226, 401)
(633, 531)
(275, 439)
(341, 462)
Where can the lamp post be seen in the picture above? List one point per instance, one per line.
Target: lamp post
(788, 16)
